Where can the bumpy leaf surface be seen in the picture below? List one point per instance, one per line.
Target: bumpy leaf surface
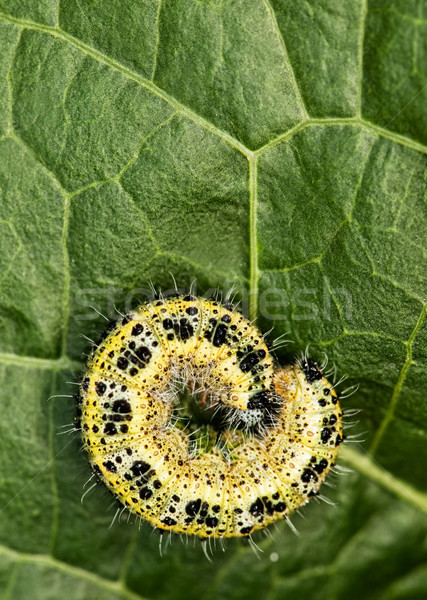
(279, 145)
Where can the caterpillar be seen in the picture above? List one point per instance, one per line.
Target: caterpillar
(270, 440)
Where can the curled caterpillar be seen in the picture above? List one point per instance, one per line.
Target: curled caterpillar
(272, 436)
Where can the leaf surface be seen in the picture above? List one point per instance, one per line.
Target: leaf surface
(278, 146)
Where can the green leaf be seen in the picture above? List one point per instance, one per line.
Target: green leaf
(276, 145)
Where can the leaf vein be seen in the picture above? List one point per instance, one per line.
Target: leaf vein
(360, 48)
(369, 467)
(156, 45)
(137, 78)
(286, 57)
(116, 587)
(399, 383)
(33, 362)
(253, 241)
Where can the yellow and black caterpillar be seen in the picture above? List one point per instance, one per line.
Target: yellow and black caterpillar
(276, 442)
